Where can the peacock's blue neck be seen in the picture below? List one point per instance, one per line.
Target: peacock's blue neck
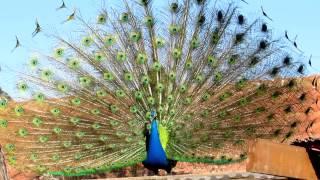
(156, 156)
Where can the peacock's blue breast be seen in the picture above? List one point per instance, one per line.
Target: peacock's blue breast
(156, 156)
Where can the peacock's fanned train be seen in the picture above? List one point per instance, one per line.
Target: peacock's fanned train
(215, 78)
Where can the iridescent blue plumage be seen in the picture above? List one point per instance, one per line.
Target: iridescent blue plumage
(156, 155)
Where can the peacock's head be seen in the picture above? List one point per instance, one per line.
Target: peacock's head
(153, 114)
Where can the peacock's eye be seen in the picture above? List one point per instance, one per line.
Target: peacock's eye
(85, 81)
(212, 61)
(120, 93)
(187, 100)
(67, 144)
(59, 52)
(218, 76)
(3, 103)
(241, 19)
(23, 132)
(174, 7)
(78, 169)
(121, 56)
(37, 121)
(95, 111)
(22, 87)
(74, 63)
(76, 101)
(254, 61)
(55, 111)
(99, 57)
(183, 88)
(109, 40)
(144, 2)
(264, 28)
(88, 146)
(102, 18)
(199, 78)
(55, 157)
(12, 160)
(43, 139)
(46, 75)
(135, 36)
(151, 100)
(57, 130)
(243, 101)
(220, 16)
(80, 134)
(160, 42)
(160, 109)
(96, 126)
(10, 147)
(101, 93)
(87, 41)
(172, 112)
(108, 76)
(156, 66)
(189, 64)
(195, 43)
(19, 110)
(33, 62)
(3, 123)
(206, 96)
(133, 109)
(124, 17)
(74, 120)
(300, 69)
(103, 138)
(128, 76)
(232, 60)
(148, 21)
(34, 157)
(67, 169)
(141, 58)
(138, 94)
(176, 53)
(39, 97)
(172, 75)
(263, 44)
(145, 80)
(174, 29)
(62, 87)
(160, 87)
(114, 108)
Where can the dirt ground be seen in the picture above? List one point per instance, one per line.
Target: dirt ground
(138, 170)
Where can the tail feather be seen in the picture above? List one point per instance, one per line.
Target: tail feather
(216, 78)
(53, 134)
(218, 130)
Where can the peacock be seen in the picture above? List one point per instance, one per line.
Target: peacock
(193, 82)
